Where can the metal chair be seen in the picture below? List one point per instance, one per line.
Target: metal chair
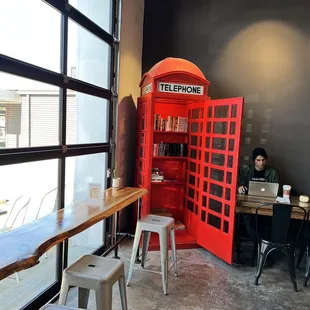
(20, 205)
(164, 226)
(279, 238)
(96, 273)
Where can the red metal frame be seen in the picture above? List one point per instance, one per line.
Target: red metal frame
(206, 206)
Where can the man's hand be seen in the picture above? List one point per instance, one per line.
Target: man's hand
(242, 190)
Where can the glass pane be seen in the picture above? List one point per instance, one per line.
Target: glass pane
(194, 140)
(208, 127)
(207, 142)
(216, 190)
(215, 205)
(141, 151)
(221, 111)
(228, 192)
(142, 138)
(142, 125)
(218, 159)
(87, 118)
(195, 113)
(205, 186)
(88, 56)
(232, 128)
(228, 177)
(230, 161)
(203, 215)
(206, 157)
(204, 201)
(219, 143)
(214, 221)
(190, 205)
(30, 31)
(220, 127)
(191, 193)
(192, 167)
(217, 175)
(226, 225)
(80, 171)
(30, 112)
(231, 146)
(30, 192)
(196, 209)
(206, 174)
(234, 110)
(227, 210)
(194, 127)
(98, 11)
(193, 154)
(192, 180)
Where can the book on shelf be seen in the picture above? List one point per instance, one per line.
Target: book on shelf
(170, 149)
(171, 123)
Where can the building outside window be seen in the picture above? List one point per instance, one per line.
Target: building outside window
(39, 112)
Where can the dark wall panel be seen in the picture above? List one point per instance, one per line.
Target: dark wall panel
(256, 49)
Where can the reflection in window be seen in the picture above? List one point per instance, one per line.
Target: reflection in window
(215, 205)
(220, 127)
(217, 175)
(221, 111)
(219, 143)
(214, 221)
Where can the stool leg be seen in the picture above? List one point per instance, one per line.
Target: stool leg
(146, 241)
(122, 290)
(163, 241)
(104, 297)
(174, 251)
(134, 252)
(64, 290)
(83, 294)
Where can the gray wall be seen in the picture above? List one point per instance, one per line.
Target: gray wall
(256, 49)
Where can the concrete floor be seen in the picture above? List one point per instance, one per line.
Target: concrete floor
(205, 282)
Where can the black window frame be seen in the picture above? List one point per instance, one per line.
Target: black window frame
(64, 82)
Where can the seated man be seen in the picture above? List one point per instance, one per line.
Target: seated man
(257, 171)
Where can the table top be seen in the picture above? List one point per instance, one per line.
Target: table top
(249, 203)
(21, 248)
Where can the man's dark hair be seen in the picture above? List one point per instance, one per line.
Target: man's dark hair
(259, 151)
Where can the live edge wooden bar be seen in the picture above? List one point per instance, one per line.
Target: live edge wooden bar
(22, 247)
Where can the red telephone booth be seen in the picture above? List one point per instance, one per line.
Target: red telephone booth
(187, 155)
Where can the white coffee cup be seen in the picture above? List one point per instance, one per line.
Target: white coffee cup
(286, 191)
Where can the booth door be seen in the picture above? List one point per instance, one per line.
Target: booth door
(219, 169)
(196, 112)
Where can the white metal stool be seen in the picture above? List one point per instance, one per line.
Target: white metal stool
(163, 226)
(96, 273)
(56, 307)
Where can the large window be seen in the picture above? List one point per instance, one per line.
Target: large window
(56, 73)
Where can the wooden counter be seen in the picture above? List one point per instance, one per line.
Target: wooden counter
(21, 248)
(248, 204)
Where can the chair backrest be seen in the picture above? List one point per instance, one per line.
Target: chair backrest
(48, 203)
(17, 212)
(281, 223)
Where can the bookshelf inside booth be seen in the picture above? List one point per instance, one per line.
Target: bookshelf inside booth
(187, 156)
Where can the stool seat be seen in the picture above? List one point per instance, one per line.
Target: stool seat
(96, 269)
(92, 272)
(152, 222)
(164, 226)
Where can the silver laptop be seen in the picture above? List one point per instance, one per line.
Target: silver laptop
(263, 189)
